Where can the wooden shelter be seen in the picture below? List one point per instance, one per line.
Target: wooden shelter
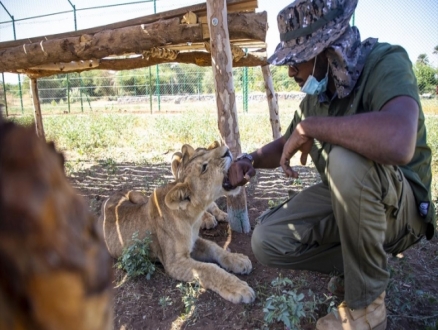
(227, 33)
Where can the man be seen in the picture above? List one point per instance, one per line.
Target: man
(362, 124)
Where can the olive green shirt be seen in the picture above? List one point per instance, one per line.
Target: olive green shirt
(387, 74)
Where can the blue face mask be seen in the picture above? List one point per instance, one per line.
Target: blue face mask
(313, 86)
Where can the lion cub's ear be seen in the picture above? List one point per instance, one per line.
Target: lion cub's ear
(176, 161)
(187, 152)
(178, 197)
(213, 145)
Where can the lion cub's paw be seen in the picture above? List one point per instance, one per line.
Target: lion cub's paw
(237, 263)
(208, 221)
(221, 216)
(217, 212)
(238, 292)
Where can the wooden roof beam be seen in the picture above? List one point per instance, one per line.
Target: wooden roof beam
(127, 40)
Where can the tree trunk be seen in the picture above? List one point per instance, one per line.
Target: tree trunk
(226, 102)
(37, 108)
(272, 102)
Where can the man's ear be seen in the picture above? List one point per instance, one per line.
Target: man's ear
(178, 197)
(176, 161)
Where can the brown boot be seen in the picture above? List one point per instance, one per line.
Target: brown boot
(336, 286)
(373, 317)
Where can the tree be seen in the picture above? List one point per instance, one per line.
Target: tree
(425, 77)
(281, 80)
(422, 59)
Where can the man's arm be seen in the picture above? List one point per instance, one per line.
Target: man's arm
(387, 136)
(267, 156)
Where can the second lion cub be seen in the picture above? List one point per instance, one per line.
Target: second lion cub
(173, 216)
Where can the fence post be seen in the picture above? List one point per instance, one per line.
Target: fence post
(150, 88)
(157, 88)
(74, 14)
(80, 92)
(135, 84)
(245, 89)
(199, 83)
(21, 94)
(4, 91)
(68, 93)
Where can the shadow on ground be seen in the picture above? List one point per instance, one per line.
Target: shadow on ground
(412, 295)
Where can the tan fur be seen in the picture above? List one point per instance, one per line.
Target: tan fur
(213, 214)
(55, 272)
(172, 214)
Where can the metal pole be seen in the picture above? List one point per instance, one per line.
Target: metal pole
(245, 86)
(4, 91)
(80, 92)
(68, 87)
(12, 18)
(245, 89)
(157, 87)
(74, 14)
(13, 27)
(68, 92)
(135, 85)
(21, 94)
(199, 84)
(15, 38)
(150, 88)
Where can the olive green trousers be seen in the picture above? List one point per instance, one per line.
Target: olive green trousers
(346, 227)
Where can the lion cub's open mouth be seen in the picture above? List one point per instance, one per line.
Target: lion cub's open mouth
(227, 185)
(226, 182)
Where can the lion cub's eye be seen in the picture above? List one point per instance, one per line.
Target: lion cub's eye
(204, 167)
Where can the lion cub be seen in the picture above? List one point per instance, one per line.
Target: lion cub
(173, 216)
(213, 214)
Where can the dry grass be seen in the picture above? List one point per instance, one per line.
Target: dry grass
(107, 151)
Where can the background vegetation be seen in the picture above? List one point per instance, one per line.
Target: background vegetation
(110, 90)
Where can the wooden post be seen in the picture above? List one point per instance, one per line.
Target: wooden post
(272, 102)
(226, 102)
(37, 108)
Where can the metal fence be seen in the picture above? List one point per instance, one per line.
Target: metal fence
(173, 87)
(167, 88)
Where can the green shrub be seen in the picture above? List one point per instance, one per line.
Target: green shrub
(190, 292)
(135, 259)
(289, 307)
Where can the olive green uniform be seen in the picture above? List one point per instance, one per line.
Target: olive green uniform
(362, 210)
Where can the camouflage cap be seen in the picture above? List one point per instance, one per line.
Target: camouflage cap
(307, 27)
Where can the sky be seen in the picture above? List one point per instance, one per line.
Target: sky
(411, 24)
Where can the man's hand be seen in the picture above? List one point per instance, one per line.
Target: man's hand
(297, 141)
(241, 172)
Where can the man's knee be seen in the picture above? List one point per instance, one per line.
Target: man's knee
(345, 168)
(258, 239)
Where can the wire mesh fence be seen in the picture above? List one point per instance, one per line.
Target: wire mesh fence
(167, 87)
(175, 87)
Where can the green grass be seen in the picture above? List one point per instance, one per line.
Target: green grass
(145, 137)
(430, 106)
(112, 138)
(127, 137)
(432, 134)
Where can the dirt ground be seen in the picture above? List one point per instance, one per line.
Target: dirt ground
(412, 295)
